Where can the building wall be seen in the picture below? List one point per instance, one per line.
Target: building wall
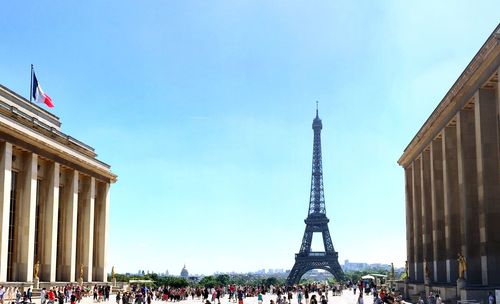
(452, 180)
(54, 199)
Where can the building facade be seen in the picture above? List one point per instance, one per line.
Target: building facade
(452, 177)
(54, 199)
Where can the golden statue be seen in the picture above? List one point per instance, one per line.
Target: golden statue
(113, 275)
(462, 266)
(36, 269)
(81, 271)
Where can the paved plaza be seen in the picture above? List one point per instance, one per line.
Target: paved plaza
(346, 298)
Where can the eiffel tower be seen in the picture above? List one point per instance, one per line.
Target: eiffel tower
(316, 221)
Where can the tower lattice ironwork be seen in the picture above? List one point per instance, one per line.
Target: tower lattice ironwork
(316, 221)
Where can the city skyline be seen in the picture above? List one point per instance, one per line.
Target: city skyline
(347, 266)
(204, 112)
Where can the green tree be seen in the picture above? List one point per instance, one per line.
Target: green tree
(222, 279)
(208, 281)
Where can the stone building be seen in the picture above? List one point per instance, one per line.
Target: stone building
(452, 174)
(54, 199)
(184, 272)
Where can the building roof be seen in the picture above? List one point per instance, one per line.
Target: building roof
(482, 69)
(28, 126)
(184, 272)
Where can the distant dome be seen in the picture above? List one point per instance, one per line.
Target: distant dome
(184, 272)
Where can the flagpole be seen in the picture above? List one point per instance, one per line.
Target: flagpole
(31, 83)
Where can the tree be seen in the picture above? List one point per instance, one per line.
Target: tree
(208, 281)
(222, 279)
(271, 281)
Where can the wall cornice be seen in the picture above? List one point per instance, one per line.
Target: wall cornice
(477, 72)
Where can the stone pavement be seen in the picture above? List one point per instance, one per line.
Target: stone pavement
(346, 298)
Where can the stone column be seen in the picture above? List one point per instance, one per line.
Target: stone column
(498, 115)
(49, 231)
(69, 212)
(101, 232)
(467, 185)
(437, 193)
(488, 184)
(27, 207)
(426, 209)
(417, 222)
(86, 227)
(410, 242)
(451, 205)
(5, 184)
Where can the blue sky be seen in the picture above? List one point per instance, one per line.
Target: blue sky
(204, 110)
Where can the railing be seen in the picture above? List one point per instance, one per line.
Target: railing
(317, 253)
(314, 254)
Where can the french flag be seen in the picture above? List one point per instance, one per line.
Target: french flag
(39, 95)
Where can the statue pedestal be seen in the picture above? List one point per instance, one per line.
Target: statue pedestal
(80, 281)
(407, 292)
(461, 283)
(36, 283)
(113, 282)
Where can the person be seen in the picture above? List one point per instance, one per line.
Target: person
(25, 298)
(438, 299)
(60, 297)
(420, 300)
(491, 298)
(2, 293)
(299, 296)
(431, 299)
(259, 298)
(118, 297)
(354, 288)
(52, 296)
(29, 294)
(43, 296)
(313, 299)
(360, 298)
(107, 291)
(323, 300)
(382, 295)
(240, 296)
(18, 296)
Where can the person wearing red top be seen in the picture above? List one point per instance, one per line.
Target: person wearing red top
(52, 296)
(382, 295)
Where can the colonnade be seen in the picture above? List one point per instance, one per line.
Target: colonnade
(53, 220)
(453, 197)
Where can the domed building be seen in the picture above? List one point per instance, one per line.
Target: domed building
(184, 272)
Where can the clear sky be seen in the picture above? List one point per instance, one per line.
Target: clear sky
(204, 110)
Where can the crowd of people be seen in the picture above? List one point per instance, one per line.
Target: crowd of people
(11, 294)
(70, 293)
(135, 294)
